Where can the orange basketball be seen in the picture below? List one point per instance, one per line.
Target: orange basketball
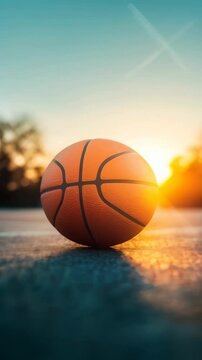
(98, 192)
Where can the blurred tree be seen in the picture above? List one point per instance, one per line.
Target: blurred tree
(21, 162)
(184, 187)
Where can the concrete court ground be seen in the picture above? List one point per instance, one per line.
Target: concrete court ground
(140, 300)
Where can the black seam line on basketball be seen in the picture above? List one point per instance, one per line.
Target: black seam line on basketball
(52, 188)
(125, 181)
(63, 189)
(62, 170)
(59, 207)
(81, 193)
(112, 206)
(98, 177)
(97, 182)
(99, 190)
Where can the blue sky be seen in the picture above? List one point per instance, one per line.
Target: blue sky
(74, 66)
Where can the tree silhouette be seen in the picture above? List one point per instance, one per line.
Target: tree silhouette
(184, 187)
(21, 162)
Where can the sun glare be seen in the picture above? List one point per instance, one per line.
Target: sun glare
(158, 159)
(159, 166)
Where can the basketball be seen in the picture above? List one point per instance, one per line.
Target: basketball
(98, 192)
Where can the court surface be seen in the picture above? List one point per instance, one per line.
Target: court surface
(140, 300)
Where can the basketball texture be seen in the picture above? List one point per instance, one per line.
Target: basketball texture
(98, 192)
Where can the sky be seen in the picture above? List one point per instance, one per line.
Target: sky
(127, 71)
